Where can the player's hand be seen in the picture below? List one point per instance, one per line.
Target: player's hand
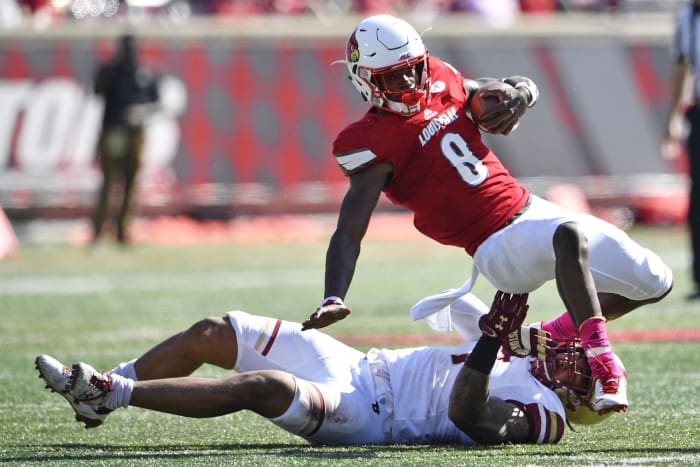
(671, 148)
(506, 315)
(505, 116)
(331, 310)
(530, 341)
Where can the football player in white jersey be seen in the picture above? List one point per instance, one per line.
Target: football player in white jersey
(316, 387)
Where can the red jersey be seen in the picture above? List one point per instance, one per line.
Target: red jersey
(457, 189)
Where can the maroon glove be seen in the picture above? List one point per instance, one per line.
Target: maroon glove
(506, 315)
(504, 321)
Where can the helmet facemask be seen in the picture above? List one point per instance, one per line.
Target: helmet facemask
(401, 88)
(576, 388)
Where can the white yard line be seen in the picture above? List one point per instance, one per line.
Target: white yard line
(76, 285)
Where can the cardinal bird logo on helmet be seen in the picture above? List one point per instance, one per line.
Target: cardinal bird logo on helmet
(352, 51)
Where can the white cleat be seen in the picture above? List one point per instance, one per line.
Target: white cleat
(89, 385)
(610, 395)
(58, 377)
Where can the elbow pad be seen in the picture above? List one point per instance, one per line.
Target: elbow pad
(545, 426)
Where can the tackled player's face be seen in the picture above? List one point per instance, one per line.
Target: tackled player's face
(580, 380)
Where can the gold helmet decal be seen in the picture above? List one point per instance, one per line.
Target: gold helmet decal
(352, 52)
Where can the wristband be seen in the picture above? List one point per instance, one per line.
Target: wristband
(332, 300)
(483, 357)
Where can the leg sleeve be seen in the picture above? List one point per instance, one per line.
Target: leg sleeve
(332, 414)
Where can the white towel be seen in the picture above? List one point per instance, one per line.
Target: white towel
(435, 309)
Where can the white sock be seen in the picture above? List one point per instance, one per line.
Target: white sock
(126, 370)
(120, 395)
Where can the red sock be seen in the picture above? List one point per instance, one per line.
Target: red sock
(561, 328)
(597, 347)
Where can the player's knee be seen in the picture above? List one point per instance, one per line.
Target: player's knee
(213, 339)
(570, 242)
(659, 277)
(205, 328)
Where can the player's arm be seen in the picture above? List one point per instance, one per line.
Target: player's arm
(487, 420)
(344, 247)
(491, 420)
(525, 86)
(670, 144)
(680, 73)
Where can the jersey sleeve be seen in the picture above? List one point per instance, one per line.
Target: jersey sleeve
(355, 160)
(356, 148)
(546, 426)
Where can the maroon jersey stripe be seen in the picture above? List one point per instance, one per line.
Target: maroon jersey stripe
(271, 341)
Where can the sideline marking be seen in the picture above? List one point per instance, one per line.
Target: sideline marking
(657, 335)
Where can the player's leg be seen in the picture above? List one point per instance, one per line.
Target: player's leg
(268, 393)
(578, 292)
(210, 340)
(694, 230)
(325, 413)
(132, 162)
(102, 203)
(548, 242)
(626, 274)
(271, 343)
(626, 277)
(572, 273)
(693, 152)
(246, 342)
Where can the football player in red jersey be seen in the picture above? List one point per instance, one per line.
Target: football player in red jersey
(419, 146)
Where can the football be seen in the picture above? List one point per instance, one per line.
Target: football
(481, 104)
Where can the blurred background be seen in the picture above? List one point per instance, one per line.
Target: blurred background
(250, 104)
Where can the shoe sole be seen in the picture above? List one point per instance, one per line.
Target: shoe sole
(89, 422)
(613, 408)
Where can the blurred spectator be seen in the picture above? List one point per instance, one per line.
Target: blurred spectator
(34, 6)
(10, 14)
(499, 12)
(686, 55)
(496, 12)
(538, 6)
(43, 13)
(130, 95)
(590, 5)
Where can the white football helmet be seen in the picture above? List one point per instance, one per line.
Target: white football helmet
(388, 64)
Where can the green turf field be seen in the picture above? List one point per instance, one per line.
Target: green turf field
(108, 305)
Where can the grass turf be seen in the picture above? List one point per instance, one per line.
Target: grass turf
(108, 305)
